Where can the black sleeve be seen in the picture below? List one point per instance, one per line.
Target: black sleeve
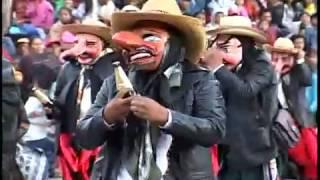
(260, 76)
(304, 74)
(206, 125)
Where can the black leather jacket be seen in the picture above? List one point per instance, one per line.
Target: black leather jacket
(198, 122)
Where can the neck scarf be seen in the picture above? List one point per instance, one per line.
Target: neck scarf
(141, 139)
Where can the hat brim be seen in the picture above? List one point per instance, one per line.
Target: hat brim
(258, 36)
(191, 29)
(50, 43)
(103, 32)
(271, 49)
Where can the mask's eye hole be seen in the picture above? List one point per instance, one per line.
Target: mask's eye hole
(151, 38)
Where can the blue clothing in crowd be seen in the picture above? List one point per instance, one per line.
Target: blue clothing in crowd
(311, 37)
(312, 93)
(197, 6)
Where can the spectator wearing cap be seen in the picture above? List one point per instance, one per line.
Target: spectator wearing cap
(23, 45)
(294, 76)
(53, 46)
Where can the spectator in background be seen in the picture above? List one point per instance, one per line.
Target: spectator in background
(37, 46)
(23, 45)
(217, 17)
(277, 9)
(96, 5)
(202, 16)
(221, 5)
(65, 17)
(41, 13)
(54, 47)
(20, 11)
(291, 12)
(311, 33)
(277, 13)
(299, 42)
(22, 24)
(240, 9)
(105, 13)
(312, 92)
(36, 153)
(79, 10)
(270, 30)
(253, 9)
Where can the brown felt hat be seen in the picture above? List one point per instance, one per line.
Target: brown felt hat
(168, 12)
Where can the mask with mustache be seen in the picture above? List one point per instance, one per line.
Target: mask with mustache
(144, 45)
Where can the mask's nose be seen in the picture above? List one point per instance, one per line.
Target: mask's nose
(127, 40)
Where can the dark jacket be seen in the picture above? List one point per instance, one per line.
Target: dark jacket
(251, 104)
(198, 122)
(294, 86)
(11, 110)
(66, 89)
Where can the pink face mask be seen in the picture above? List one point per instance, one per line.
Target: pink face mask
(232, 48)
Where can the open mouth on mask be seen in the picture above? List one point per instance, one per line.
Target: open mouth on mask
(85, 56)
(141, 55)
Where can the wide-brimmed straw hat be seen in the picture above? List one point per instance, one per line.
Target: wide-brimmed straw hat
(282, 45)
(90, 26)
(168, 12)
(239, 25)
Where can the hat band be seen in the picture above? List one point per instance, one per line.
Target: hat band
(157, 11)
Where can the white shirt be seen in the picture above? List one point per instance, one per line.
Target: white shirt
(86, 102)
(281, 97)
(39, 123)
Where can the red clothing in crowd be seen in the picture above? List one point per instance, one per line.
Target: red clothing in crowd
(71, 161)
(6, 55)
(215, 160)
(305, 153)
